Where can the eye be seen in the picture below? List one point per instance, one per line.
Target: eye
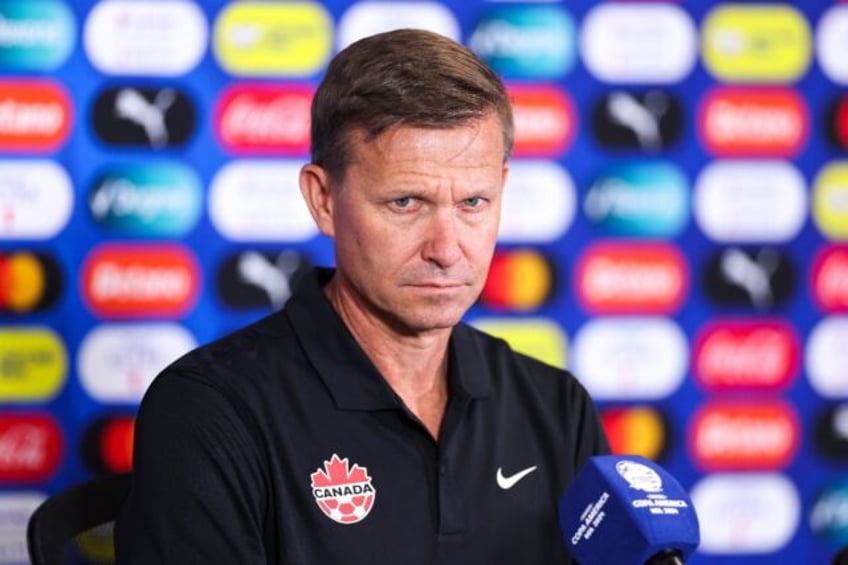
(473, 202)
(403, 202)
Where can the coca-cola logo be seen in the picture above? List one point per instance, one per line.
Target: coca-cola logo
(140, 281)
(264, 119)
(746, 355)
(744, 435)
(31, 448)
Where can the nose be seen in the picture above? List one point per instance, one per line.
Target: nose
(441, 240)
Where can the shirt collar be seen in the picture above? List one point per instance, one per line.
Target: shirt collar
(353, 381)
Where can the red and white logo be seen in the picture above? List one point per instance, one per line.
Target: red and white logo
(343, 493)
(746, 355)
(632, 278)
(269, 119)
(757, 122)
(31, 447)
(762, 434)
(140, 281)
(34, 115)
(545, 120)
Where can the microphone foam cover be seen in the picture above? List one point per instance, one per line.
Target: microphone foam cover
(624, 509)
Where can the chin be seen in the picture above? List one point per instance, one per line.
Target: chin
(427, 321)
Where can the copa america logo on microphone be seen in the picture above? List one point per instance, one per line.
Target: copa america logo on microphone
(345, 494)
(639, 476)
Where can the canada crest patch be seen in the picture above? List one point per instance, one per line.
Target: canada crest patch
(345, 494)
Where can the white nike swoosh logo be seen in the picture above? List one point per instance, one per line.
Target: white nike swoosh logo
(507, 483)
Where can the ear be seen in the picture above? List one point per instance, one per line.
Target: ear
(315, 187)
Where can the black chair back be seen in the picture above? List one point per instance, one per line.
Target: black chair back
(68, 513)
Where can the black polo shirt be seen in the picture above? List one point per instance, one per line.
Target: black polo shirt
(281, 443)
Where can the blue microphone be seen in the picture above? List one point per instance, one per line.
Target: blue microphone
(626, 509)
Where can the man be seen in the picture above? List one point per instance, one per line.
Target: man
(364, 423)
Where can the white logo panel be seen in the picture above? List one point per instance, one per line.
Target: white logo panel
(618, 358)
(117, 362)
(827, 357)
(260, 201)
(15, 511)
(750, 201)
(630, 43)
(36, 199)
(539, 202)
(749, 513)
(138, 37)
(369, 18)
(832, 44)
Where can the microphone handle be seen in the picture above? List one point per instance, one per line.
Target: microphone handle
(666, 557)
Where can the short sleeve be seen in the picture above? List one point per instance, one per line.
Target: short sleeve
(198, 487)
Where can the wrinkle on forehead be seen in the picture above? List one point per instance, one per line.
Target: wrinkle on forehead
(401, 141)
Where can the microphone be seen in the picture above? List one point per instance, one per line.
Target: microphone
(626, 509)
(841, 558)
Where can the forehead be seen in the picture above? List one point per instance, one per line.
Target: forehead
(476, 142)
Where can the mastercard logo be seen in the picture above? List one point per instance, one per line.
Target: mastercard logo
(635, 430)
(29, 282)
(520, 280)
(837, 122)
(107, 444)
(35, 115)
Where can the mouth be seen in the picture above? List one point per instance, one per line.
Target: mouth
(439, 284)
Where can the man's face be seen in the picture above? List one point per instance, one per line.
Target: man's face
(415, 221)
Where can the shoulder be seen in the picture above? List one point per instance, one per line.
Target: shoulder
(503, 362)
(236, 369)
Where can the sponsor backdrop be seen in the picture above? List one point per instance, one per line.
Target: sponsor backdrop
(675, 227)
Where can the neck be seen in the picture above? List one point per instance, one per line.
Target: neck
(414, 365)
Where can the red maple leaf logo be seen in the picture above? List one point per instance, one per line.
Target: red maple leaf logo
(338, 473)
